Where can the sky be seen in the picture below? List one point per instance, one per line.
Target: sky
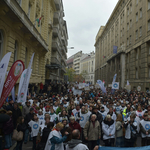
(84, 18)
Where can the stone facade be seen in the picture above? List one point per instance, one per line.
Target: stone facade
(128, 28)
(21, 34)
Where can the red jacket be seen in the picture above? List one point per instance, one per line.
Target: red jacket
(41, 86)
(75, 125)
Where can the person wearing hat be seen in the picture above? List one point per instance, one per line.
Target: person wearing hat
(27, 119)
(145, 130)
(108, 127)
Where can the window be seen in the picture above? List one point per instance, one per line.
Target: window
(136, 17)
(127, 26)
(128, 10)
(136, 73)
(136, 34)
(130, 23)
(149, 72)
(15, 51)
(130, 7)
(26, 56)
(149, 25)
(130, 39)
(127, 42)
(91, 77)
(141, 13)
(140, 31)
(29, 10)
(148, 4)
(1, 45)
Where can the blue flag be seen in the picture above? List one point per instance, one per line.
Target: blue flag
(115, 49)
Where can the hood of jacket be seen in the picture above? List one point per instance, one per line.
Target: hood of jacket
(73, 143)
(109, 123)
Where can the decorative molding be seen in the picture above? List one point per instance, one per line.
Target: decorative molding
(31, 2)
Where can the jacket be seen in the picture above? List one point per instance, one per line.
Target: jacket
(21, 127)
(119, 129)
(8, 127)
(28, 118)
(99, 117)
(108, 128)
(75, 125)
(76, 144)
(91, 132)
(45, 135)
(25, 110)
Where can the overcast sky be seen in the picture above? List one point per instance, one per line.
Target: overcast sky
(84, 18)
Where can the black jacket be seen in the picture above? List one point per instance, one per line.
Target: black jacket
(16, 113)
(46, 132)
(28, 118)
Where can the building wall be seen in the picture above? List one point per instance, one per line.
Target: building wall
(21, 34)
(128, 28)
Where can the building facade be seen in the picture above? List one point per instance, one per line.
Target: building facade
(87, 68)
(128, 28)
(57, 68)
(23, 34)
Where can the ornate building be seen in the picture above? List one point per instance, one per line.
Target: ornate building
(128, 28)
(26, 27)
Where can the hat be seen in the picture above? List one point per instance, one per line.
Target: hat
(31, 109)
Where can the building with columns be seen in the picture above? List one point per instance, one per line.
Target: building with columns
(128, 28)
(23, 34)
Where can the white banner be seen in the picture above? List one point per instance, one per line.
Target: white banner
(3, 69)
(101, 84)
(79, 92)
(24, 87)
(115, 85)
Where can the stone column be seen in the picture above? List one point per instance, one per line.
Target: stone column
(122, 61)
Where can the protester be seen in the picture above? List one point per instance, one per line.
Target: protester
(26, 109)
(76, 143)
(55, 140)
(73, 124)
(92, 131)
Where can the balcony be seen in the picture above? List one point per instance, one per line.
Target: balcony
(63, 68)
(55, 31)
(55, 63)
(56, 18)
(57, 4)
(55, 46)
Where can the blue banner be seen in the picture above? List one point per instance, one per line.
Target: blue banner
(130, 148)
(115, 49)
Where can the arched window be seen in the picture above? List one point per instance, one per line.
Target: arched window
(1, 45)
(26, 57)
(15, 51)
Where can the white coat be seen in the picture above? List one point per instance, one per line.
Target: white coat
(107, 130)
(57, 146)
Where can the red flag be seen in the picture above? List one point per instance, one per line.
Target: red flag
(13, 75)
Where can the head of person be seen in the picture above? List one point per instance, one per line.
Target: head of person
(72, 119)
(145, 116)
(63, 113)
(20, 120)
(111, 109)
(15, 105)
(119, 117)
(11, 101)
(31, 110)
(35, 118)
(47, 108)
(93, 117)
(52, 111)
(78, 107)
(27, 103)
(128, 107)
(95, 109)
(59, 126)
(102, 109)
(108, 118)
(9, 113)
(50, 125)
(47, 120)
(47, 115)
(139, 108)
(76, 134)
(56, 103)
(83, 109)
(41, 106)
(40, 112)
(132, 117)
(64, 122)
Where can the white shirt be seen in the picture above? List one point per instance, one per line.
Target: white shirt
(34, 128)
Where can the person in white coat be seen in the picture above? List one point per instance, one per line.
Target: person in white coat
(108, 127)
(55, 139)
(131, 131)
(75, 143)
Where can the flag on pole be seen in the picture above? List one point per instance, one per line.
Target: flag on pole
(101, 86)
(128, 82)
(13, 75)
(3, 70)
(39, 20)
(24, 87)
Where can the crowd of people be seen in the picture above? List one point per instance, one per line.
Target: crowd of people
(60, 120)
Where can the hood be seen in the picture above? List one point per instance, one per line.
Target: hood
(73, 143)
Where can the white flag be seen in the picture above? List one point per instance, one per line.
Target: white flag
(114, 79)
(128, 82)
(24, 87)
(3, 69)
